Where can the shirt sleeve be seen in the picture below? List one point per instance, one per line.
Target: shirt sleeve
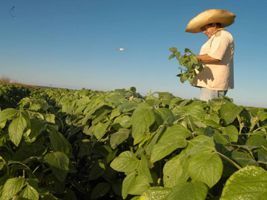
(218, 47)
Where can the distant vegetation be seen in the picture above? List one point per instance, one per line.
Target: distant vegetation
(5, 80)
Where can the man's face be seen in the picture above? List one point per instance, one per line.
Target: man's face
(209, 29)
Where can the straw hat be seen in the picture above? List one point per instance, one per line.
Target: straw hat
(224, 17)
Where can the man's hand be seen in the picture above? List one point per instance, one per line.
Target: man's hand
(206, 59)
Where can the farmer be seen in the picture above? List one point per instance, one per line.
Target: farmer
(216, 54)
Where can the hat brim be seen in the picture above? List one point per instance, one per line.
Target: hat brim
(224, 17)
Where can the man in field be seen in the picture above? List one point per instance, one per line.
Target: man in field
(216, 54)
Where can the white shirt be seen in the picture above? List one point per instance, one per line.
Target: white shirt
(218, 76)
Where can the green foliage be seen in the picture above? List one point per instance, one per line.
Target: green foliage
(248, 183)
(190, 66)
(10, 95)
(80, 144)
(188, 191)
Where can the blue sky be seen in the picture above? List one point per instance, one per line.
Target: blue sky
(73, 43)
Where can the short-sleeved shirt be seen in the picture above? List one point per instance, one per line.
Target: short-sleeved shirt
(218, 76)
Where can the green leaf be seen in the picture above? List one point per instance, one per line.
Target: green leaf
(173, 49)
(166, 115)
(220, 139)
(59, 142)
(127, 107)
(256, 141)
(59, 163)
(115, 113)
(156, 193)
(206, 167)
(96, 171)
(126, 162)
(177, 55)
(231, 132)
(119, 137)
(7, 114)
(29, 193)
(229, 112)
(16, 129)
(262, 115)
(37, 126)
(199, 144)
(174, 171)
(189, 62)
(123, 120)
(143, 117)
(101, 115)
(194, 110)
(12, 187)
(143, 168)
(50, 118)
(171, 56)
(243, 158)
(134, 184)
(100, 190)
(173, 138)
(100, 129)
(188, 191)
(262, 155)
(249, 183)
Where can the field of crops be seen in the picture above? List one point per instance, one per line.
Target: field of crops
(84, 144)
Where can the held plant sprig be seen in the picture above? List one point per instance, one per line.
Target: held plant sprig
(190, 66)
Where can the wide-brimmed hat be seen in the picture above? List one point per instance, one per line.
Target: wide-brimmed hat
(224, 17)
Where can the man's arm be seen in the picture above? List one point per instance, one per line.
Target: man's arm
(206, 59)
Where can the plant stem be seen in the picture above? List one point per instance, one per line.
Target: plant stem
(229, 160)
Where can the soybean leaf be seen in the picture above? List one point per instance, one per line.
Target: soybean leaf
(188, 191)
(100, 129)
(59, 164)
(189, 62)
(126, 162)
(7, 114)
(96, 171)
(134, 184)
(143, 168)
(262, 155)
(229, 112)
(29, 193)
(199, 144)
(119, 137)
(231, 132)
(171, 56)
(175, 171)
(143, 117)
(256, 141)
(100, 190)
(123, 120)
(37, 126)
(262, 115)
(206, 167)
(12, 187)
(248, 183)
(50, 118)
(156, 193)
(173, 49)
(243, 158)
(220, 139)
(16, 129)
(59, 142)
(166, 115)
(174, 137)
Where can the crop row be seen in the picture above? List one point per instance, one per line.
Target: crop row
(84, 144)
